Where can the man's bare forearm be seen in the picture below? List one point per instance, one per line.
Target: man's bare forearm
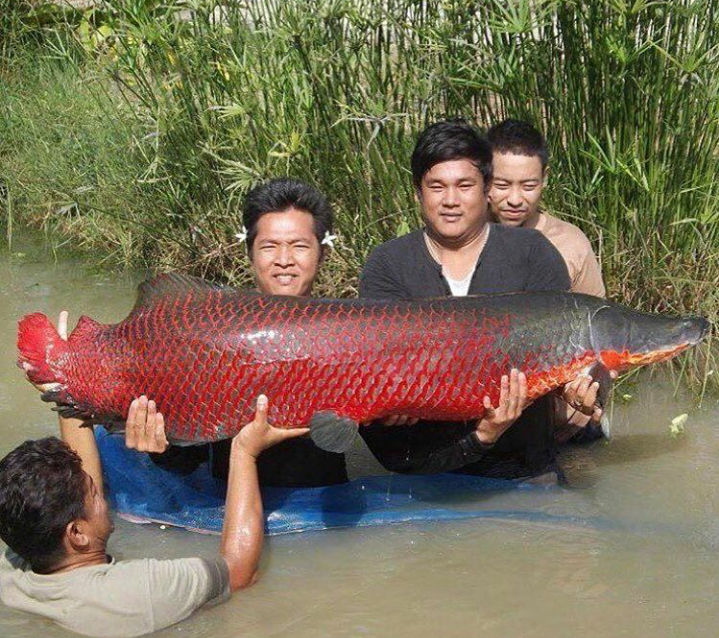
(243, 528)
(82, 440)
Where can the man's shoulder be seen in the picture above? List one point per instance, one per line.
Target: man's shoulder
(400, 256)
(517, 238)
(567, 234)
(399, 245)
(122, 598)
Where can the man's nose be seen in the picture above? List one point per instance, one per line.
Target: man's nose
(515, 198)
(450, 198)
(283, 257)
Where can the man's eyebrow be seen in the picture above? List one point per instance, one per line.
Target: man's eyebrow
(498, 178)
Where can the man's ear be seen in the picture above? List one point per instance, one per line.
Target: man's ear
(76, 537)
(545, 176)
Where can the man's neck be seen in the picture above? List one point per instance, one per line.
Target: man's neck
(532, 221)
(457, 256)
(75, 561)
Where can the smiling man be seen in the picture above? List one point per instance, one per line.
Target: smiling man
(457, 253)
(519, 164)
(286, 221)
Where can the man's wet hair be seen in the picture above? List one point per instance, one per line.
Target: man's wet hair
(280, 195)
(449, 140)
(519, 138)
(42, 489)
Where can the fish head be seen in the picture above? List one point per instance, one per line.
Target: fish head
(625, 339)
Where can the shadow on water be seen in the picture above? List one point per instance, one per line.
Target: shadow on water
(637, 447)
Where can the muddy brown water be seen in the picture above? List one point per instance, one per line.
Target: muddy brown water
(651, 571)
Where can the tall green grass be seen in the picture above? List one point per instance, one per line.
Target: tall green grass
(202, 99)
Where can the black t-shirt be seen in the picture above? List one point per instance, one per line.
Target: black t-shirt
(513, 260)
(293, 463)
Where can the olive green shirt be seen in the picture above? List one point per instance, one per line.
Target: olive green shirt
(127, 598)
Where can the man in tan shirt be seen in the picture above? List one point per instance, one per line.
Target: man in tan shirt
(519, 175)
(519, 166)
(55, 521)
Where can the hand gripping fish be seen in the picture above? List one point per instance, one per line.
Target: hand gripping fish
(205, 352)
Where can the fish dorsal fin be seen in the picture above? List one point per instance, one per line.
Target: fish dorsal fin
(171, 286)
(85, 329)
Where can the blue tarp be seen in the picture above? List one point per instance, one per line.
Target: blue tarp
(143, 492)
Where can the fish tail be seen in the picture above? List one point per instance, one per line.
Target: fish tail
(37, 342)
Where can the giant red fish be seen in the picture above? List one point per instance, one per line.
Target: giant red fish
(205, 352)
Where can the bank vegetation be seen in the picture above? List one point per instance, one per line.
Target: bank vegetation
(132, 128)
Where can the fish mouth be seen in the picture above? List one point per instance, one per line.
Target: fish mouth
(691, 331)
(697, 330)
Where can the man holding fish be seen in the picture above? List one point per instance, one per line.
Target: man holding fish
(458, 253)
(55, 521)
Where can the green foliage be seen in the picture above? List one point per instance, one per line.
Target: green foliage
(213, 96)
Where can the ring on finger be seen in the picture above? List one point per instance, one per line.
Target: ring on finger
(584, 409)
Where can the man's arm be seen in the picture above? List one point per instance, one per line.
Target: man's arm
(243, 527)
(422, 448)
(81, 438)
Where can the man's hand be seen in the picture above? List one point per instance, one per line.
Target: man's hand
(62, 331)
(258, 435)
(145, 427)
(512, 400)
(581, 395)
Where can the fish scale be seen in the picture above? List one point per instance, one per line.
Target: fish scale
(205, 352)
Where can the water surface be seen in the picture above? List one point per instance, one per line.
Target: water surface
(637, 557)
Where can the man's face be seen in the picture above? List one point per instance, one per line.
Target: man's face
(286, 254)
(97, 522)
(454, 204)
(516, 188)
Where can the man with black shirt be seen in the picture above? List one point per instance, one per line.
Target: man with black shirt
(286, 223)
(459, 252)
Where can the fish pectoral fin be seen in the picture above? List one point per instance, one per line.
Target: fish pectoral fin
(600, 373)
(333, 433)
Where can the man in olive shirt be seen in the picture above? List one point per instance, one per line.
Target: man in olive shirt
(55, 521)
(457, 253)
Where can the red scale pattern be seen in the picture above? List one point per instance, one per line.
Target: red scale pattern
(204, 354)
